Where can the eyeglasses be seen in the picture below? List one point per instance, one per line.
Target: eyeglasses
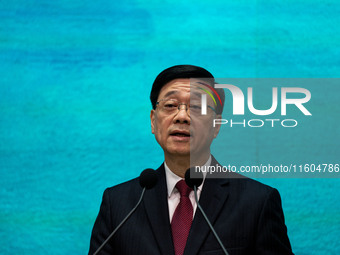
(171, 106)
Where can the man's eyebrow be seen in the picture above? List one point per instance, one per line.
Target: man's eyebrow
(170, 93)
(173, 92)
(195, 94)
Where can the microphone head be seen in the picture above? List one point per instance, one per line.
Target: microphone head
(148, 178)
(191, 182)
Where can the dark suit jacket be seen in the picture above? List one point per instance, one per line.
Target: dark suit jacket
(246, 214)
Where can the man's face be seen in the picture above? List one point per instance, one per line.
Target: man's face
(178, 133)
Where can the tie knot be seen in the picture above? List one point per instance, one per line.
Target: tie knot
(183, 188)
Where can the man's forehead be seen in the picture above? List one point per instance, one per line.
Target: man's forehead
(178, 86)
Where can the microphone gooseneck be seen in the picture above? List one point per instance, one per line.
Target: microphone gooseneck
(194, 183)
(147, 180)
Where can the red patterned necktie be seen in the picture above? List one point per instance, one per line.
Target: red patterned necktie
(182, 218)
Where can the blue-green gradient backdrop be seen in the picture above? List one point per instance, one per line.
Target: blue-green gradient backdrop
(74, 110)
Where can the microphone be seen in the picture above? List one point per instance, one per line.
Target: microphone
(194, 183)
(147, 180)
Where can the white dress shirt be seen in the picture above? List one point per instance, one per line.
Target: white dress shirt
(174, 195)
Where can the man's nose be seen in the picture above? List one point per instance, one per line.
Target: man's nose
(183, 114)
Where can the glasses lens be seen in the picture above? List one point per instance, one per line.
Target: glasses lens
(169, 106)
(195, 108)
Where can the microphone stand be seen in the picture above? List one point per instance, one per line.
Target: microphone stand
(207, 220)
(123, 221)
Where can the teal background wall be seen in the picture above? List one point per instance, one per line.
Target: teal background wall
(74, 110)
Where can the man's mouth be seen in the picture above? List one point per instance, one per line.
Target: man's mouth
(180, 133)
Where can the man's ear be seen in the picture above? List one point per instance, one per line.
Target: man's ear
(218, 126)
(152, 119)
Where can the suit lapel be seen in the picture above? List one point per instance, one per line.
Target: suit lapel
(212, 199)
(156, 207)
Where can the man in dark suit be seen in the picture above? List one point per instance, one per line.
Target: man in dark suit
(246, 214)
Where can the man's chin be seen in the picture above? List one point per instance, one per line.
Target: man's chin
(180, 152)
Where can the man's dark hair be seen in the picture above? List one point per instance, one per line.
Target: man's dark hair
(183, 72)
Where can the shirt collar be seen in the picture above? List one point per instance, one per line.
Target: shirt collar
(172, 179)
